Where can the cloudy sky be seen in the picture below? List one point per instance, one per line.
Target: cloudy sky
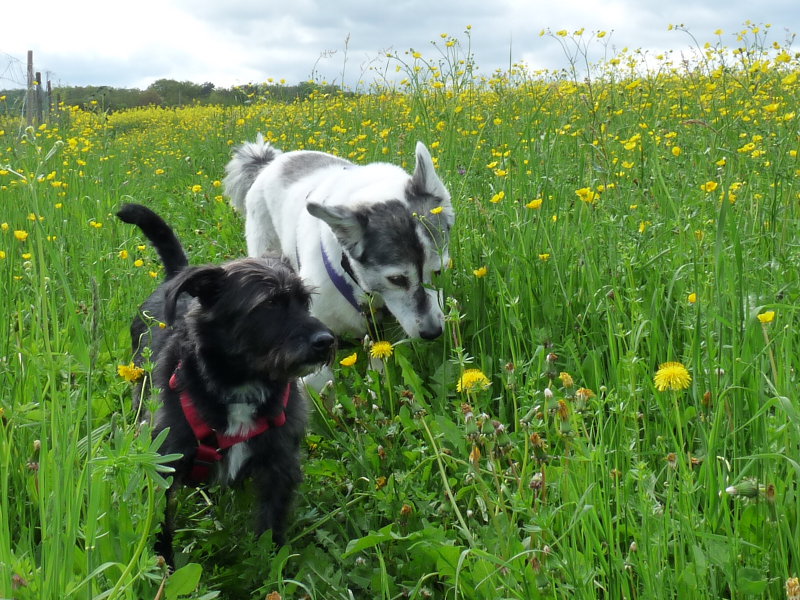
(230, 42)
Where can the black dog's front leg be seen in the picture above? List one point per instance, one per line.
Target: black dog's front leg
(164, 537)
(275, 486)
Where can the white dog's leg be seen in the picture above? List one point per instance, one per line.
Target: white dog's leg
(259, 231)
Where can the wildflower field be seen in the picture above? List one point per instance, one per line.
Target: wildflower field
(613, 410)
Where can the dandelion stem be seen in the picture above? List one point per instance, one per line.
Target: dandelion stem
(768, 345)
(448, 490)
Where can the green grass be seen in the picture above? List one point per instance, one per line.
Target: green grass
(531, 487)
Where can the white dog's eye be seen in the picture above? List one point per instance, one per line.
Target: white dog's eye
(398, 280)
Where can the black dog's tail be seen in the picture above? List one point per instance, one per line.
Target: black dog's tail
(160, 235)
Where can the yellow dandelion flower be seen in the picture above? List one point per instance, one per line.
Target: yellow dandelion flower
(21, 235)
(471, 379)
(4, 226)
(545, 256)
(123, 254)
(197, 188)
(535, 204)
(587, 195)
(676, 151)
(130, 372)
(709, 186)
(349, 361)
(437, 210)
(566, 379)
(480, 272)
(475, 456)
(672, 376)
(381, 350)
(767, 317)
(497, 197)
(584, 394)
(2, 254)
(138, 262)
(692, 298)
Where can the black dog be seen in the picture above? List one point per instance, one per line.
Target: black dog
(238, 337)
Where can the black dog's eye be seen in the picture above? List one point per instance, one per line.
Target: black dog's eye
(277, 301)
(398, 280)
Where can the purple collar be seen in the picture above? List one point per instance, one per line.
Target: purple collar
(345, 289)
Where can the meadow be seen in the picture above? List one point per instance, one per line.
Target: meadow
(612, 411)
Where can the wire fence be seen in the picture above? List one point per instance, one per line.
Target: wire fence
(12, 72)
(31, 95)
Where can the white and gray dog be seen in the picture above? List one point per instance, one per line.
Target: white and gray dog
(357, 233)
(239, 336)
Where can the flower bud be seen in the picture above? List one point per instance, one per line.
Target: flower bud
(747, 488)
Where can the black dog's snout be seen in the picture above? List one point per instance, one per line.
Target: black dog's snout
(322, 341)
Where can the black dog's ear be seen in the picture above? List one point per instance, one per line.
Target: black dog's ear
(204, 283)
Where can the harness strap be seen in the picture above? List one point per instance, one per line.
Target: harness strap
(210, 443)
(345, 289)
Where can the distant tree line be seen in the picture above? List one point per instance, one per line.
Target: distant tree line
(169, 93)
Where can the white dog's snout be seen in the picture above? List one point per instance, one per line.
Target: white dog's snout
(432, 324)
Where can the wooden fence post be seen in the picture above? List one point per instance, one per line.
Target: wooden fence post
(38, 93)
(29, 93)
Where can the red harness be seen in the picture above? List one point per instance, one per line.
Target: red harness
(210, 443)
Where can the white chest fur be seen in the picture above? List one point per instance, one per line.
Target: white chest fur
(240, 422)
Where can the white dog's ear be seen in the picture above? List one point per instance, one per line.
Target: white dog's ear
(425, 180)
(344, 222)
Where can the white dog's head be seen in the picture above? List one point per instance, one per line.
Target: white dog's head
(395, 229)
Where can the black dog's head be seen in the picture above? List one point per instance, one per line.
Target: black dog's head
(251, 320)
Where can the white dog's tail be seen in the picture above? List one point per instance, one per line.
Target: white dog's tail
(242, 170)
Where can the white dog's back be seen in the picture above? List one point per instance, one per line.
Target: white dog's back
(352, 231)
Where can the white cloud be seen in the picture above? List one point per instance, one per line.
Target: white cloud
(251, 40)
